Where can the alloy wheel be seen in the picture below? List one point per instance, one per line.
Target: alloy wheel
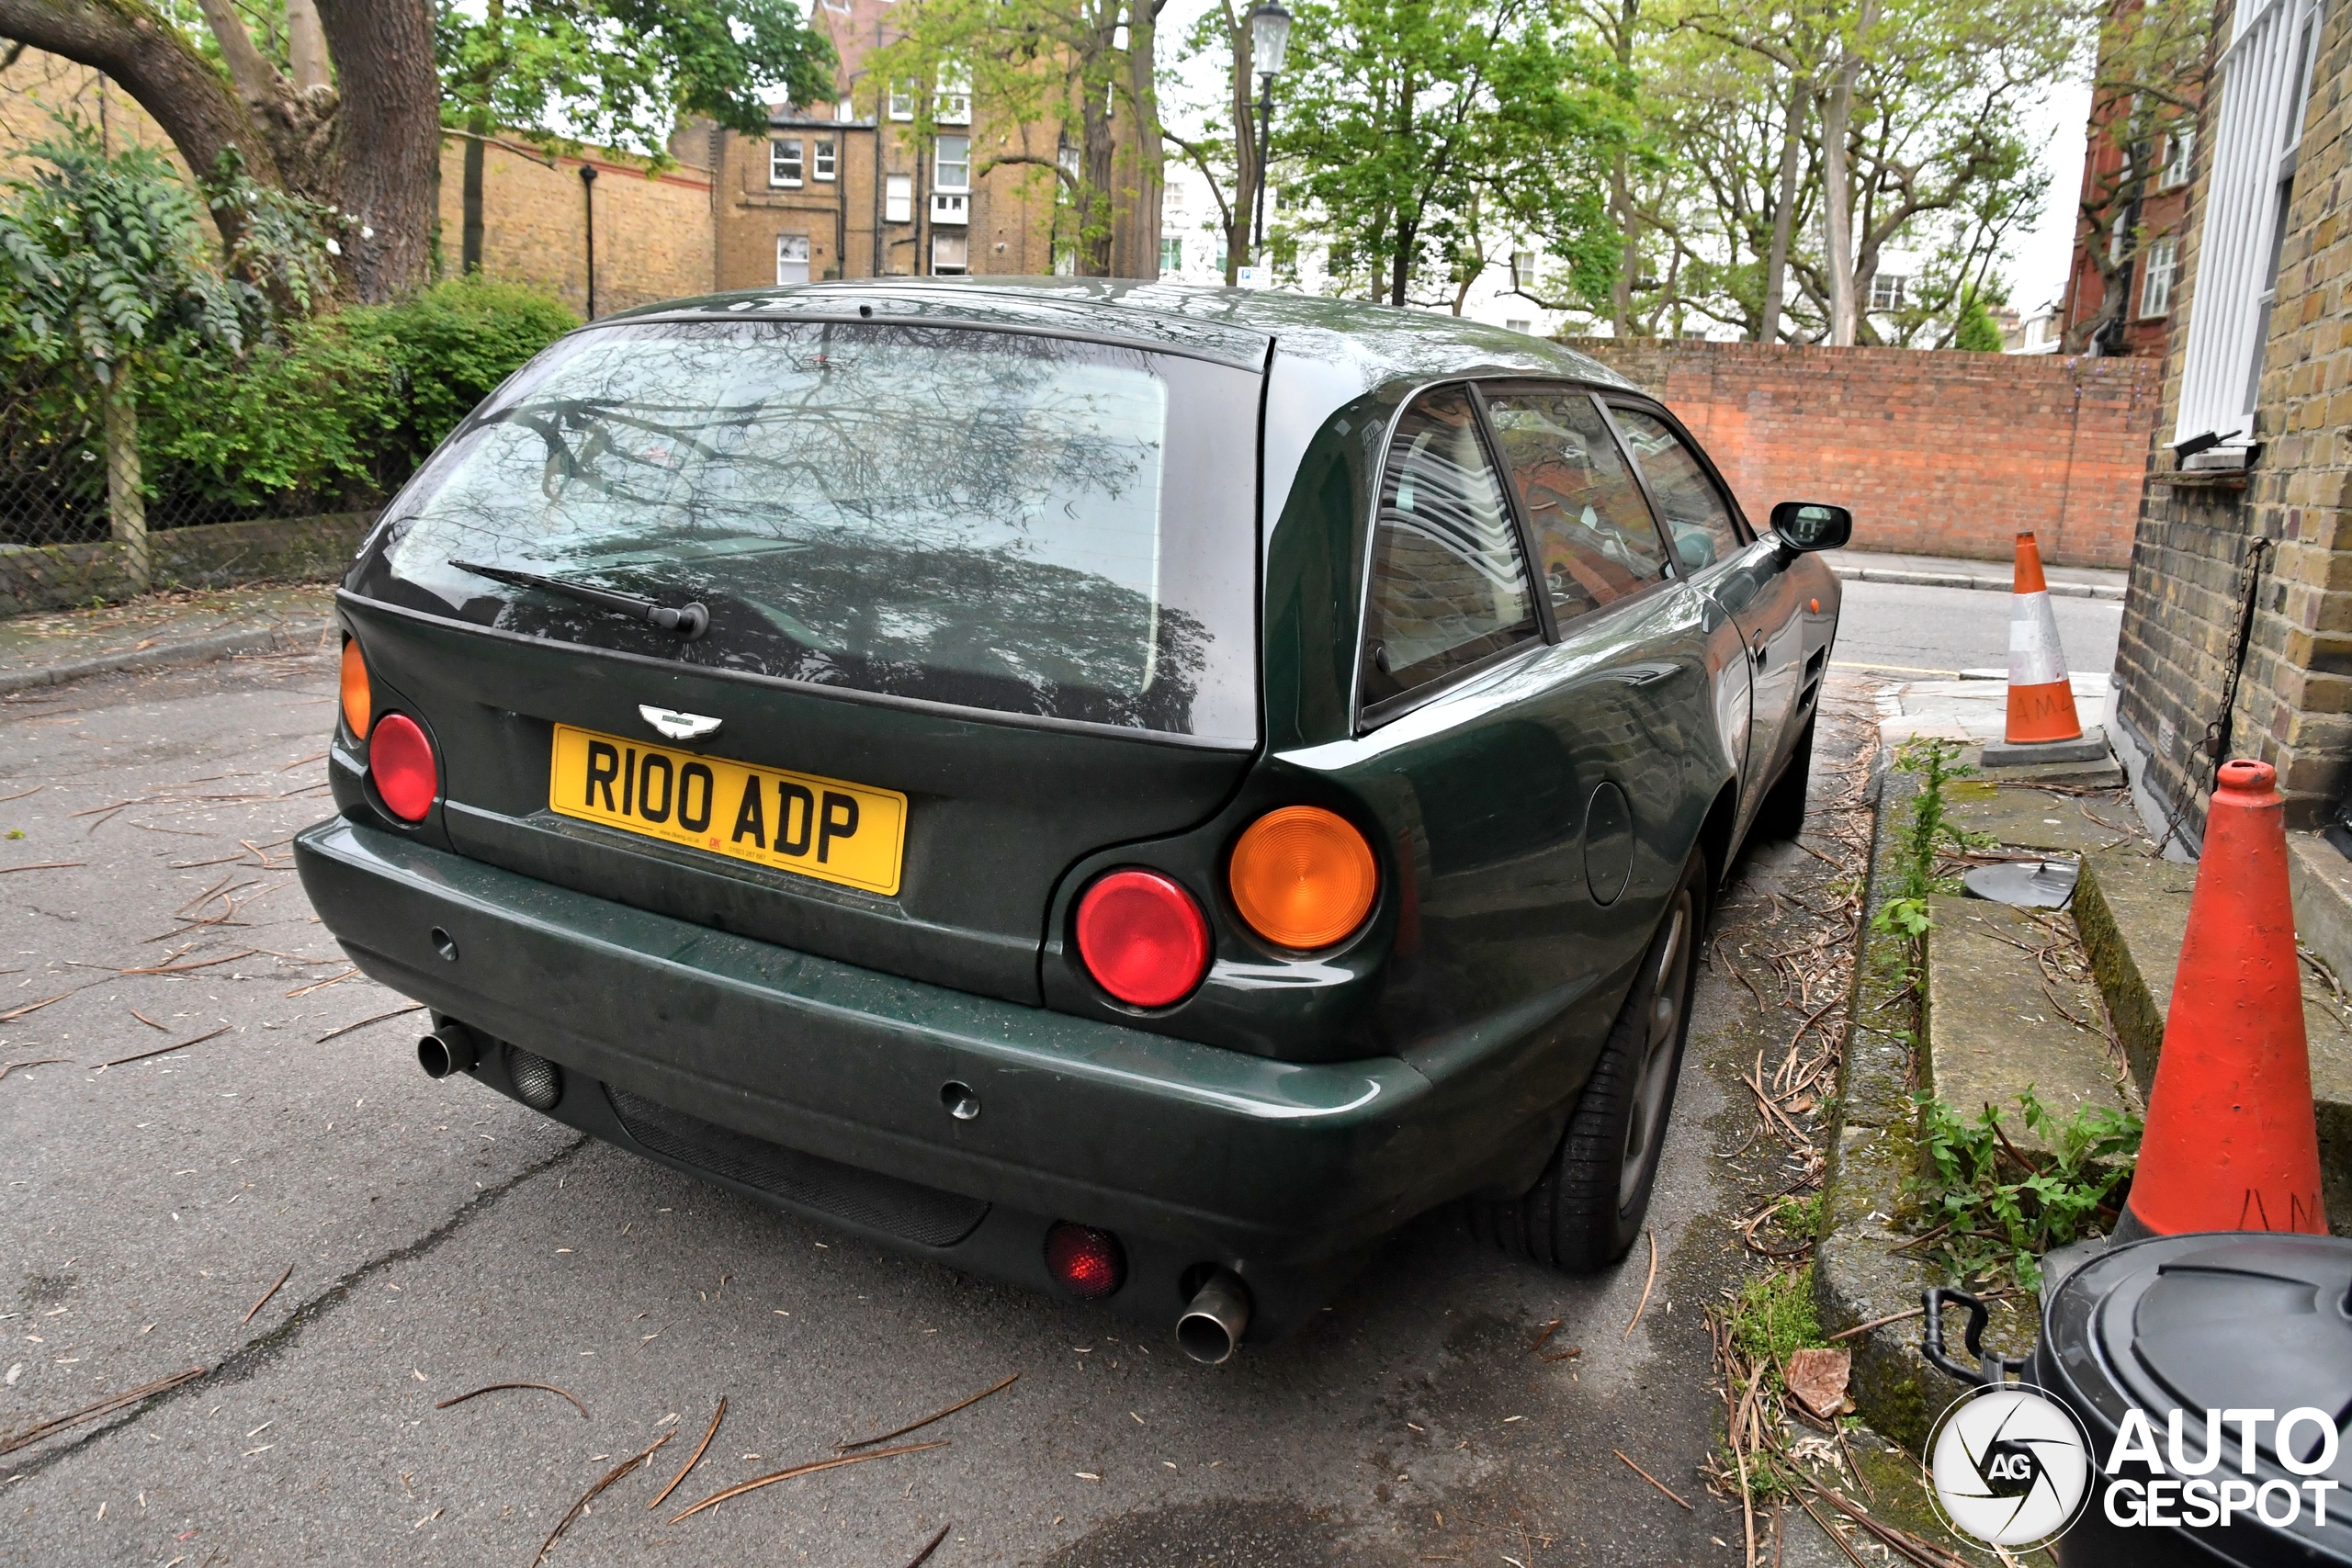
(1669, 993)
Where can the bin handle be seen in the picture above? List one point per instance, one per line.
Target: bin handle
(1989, 1370)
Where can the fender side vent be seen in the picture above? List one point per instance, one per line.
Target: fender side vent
(903, 1209)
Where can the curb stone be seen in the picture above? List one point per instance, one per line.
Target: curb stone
(1873, 1146)
(1983, 584)
(287, 636)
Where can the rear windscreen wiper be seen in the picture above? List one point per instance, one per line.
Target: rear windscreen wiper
(688, 621)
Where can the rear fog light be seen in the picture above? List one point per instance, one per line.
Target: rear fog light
(1084, 1261)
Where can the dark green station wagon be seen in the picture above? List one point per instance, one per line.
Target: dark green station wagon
(1131, 789)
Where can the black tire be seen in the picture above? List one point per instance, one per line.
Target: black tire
(1586, 1209)
(1781, 815)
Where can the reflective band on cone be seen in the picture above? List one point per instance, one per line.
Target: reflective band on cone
(2041, 697)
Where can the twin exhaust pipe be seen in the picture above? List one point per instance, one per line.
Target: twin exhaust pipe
(1212, 1324)
(449, 1049)
(1209, 1331)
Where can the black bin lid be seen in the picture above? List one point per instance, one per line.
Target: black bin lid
(2235, 1320)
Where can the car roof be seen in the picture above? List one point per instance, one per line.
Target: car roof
(1379, 343)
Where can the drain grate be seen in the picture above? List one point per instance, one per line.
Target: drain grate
(904, 1209)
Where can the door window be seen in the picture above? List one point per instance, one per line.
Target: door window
(1696, 515)
(1593, 537)
(1448, 585)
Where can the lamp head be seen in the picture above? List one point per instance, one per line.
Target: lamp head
(1269, 36)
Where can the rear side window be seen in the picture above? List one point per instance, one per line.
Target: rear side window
(981, 519)
(1696, 515)
(1448, 585)
(1593, 537)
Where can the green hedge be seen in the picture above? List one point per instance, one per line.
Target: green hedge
(342, 409)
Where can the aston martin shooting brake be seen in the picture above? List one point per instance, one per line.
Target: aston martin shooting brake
(1135, 790)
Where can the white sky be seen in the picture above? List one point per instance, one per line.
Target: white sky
(2037, 271)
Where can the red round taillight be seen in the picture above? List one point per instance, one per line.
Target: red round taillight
(1142, 938)
(1085, 1261)
(399, 759)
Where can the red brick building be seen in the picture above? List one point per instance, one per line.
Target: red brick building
(2137, 158)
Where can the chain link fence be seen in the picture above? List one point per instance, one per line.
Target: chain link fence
(53, 476)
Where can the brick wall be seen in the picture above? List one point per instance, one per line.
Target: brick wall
(2194, 556)
(1936, 453)
(653, 236)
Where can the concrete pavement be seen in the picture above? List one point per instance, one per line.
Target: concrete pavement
(431, 1239)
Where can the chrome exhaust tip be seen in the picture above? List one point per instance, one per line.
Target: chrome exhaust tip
(449, 1049)
(1212, 1324)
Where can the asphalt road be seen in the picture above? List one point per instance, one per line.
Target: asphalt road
(1892, 627)
(340, 1243)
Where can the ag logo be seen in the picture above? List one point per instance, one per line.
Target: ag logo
(2009, 1467)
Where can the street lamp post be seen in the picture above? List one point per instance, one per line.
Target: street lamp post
(1269, 38)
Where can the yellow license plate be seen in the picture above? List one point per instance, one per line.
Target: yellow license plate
(853, 834)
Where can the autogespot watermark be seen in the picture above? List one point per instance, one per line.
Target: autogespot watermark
(2013, 1468)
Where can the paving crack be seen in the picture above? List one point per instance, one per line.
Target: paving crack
(262, 1351)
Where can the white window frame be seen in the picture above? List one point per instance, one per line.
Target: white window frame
(2263, 80)
(1171, 254)
(788, 162)
(941, 163)
(1895, 284)
(790, 250)
(821, 163)
(949, 243)
(898, 198)
(902, 100)
(2159, 271)
(2181, 154)
(951, 104)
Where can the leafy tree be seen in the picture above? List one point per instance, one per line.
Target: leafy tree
(1977, 332)
(1906, 119)
(1227, 152)
(1423, 131)
(340, 101)
(1083, 74)
(616, 73)
(103, 261)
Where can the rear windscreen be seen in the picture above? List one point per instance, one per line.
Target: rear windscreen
(1034, 525)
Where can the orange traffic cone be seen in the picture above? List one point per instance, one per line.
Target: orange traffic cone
(2232, 1141)
(2041, 697)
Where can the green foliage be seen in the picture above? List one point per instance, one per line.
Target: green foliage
(1924, 837)
(103, 259)
(1774, 1317)
(1800, 1218)
(1428, 134)
(1999, 1208)
(622, 72)
(453, 345)
(341, 410)
(1977, 332)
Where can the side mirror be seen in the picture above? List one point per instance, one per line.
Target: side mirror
(1805, 525)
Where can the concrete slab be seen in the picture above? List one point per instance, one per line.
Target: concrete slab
(2321, 880)
(2023, 818)
(1993, 1026)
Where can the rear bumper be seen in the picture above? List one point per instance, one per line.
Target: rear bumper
(1192, 1154)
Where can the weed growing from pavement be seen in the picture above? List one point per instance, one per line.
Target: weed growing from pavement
(1924, 837)
(1773, 1317)
(1994, 1208)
